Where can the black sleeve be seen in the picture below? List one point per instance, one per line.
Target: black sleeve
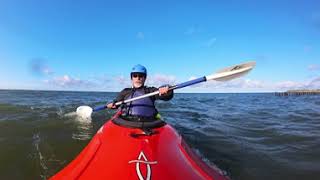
(166, 97)
(122, 95)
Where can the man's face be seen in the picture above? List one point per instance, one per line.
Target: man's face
(138, 79)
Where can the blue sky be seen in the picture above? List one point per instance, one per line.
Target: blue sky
(92, 45)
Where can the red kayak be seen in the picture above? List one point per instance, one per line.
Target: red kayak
(122, 150)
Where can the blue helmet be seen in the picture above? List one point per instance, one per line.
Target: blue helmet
(139, 69)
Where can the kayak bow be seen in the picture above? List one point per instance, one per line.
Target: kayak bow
(118, 152)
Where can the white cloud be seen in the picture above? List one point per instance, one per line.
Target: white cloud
(310, 84)
(286, 85)
(155, 80)
(125, 81)
(314, 84)
(236, 84)
(67, 81)
(160, 79)
(117, 83)
(249, 85)
(95, 83)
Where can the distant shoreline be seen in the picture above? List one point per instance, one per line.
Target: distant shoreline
(304, 90)
(299, 92)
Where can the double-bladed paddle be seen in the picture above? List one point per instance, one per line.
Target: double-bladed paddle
(225, 74)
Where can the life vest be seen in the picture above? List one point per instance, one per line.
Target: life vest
(143, 107)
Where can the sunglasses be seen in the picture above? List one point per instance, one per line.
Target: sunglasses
(139, 75)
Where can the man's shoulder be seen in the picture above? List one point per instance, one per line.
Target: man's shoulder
(147, 88)
(124, 92)
(150, 89)
(126, 89)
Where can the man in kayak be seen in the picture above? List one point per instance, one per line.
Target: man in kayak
(142, 109)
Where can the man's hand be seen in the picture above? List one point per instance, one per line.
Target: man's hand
(163, 90)
(111, 106)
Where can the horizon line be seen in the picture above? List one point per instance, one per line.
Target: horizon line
(97, 91)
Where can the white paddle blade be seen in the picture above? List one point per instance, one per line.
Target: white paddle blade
(84, 111)
(232, 72)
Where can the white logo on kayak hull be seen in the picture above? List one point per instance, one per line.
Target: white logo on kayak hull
(143, 159)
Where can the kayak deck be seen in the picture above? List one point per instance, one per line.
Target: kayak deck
(117, 152)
